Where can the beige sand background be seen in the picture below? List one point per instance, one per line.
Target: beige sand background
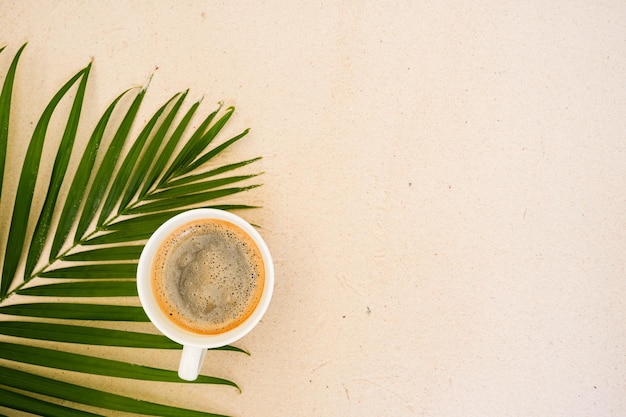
(444, 192)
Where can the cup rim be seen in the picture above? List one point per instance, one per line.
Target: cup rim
(158, 317)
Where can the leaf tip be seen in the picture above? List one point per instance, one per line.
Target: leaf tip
(147, 83)
(87, 69)
(19, 51)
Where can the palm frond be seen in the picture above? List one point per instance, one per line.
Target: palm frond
(85, 245)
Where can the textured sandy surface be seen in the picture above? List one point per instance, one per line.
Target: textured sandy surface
(445, 192)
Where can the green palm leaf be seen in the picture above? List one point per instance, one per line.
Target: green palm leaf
(111, 253)
(89, 396)
(5, 109)
(211, 173)
(76, 311)
(131, 158)
(103, 175)
(58, 173)
(79, 184)
(87, 335)
(91, 288)
(85, 244)
(26, 190)
(159, 166)
(117, 270)
(212, 153)
(98, 366)
(189, 150)
(185, 200)
(197, 187)
(38, 407)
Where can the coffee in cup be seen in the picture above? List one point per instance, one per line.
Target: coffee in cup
(208, 276)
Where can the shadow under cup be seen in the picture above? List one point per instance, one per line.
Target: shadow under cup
(195, 344)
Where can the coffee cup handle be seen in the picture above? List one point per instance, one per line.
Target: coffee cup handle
(191, 362)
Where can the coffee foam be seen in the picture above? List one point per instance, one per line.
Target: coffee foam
(208, 276)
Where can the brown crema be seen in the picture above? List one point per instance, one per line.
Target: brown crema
(208, 276)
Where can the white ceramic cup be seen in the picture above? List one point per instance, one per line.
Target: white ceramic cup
(195, 345)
